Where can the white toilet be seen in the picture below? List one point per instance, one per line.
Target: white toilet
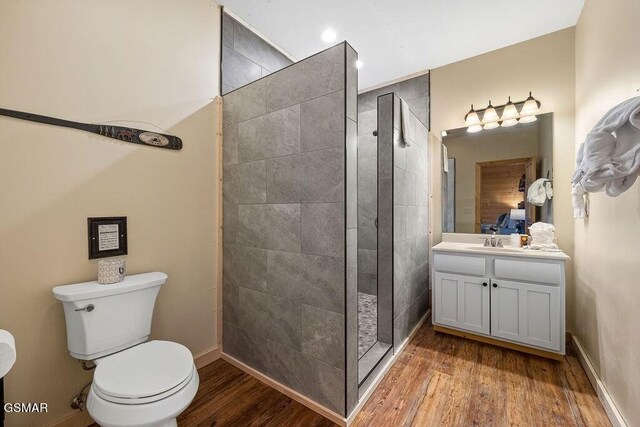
(136, 382)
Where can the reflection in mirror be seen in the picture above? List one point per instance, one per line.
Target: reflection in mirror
(487, 176)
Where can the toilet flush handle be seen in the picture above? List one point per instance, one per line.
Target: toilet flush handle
(89, 308)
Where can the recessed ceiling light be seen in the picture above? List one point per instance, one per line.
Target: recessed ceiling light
(359, 64)
(329, 35)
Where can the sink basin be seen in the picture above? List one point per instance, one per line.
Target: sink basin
(481, 248)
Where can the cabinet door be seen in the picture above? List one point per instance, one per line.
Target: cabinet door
(462, 302)
(526, 313)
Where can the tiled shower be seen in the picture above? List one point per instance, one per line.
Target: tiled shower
(291, 228)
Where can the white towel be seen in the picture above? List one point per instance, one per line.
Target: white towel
(445, 159)
(609, 158)
(539, 192)
(578, 202)
(405, 120)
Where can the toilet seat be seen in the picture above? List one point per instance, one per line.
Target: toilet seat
(146, 373)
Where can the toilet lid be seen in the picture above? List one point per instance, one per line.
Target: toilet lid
(143, 371)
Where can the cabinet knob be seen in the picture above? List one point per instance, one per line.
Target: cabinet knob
(495, 285)
(484, 284)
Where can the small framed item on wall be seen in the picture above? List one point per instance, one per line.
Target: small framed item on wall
(107, 236)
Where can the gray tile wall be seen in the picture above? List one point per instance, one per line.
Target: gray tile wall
(245, 56)
(410, 225)
(352, 192)
(288, 233)
(415, 91)
(385, 112)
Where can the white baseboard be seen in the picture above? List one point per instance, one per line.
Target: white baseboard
(374, 384)
(298, 397)
(609, 405)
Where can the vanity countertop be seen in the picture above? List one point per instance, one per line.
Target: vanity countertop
(479, 249)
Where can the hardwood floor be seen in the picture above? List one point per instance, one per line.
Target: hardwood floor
(438, 380)
(229, 397)
(442, 380)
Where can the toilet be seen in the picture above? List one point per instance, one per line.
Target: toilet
(136, 382)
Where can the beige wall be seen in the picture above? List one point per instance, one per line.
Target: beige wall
(146, 60)
(607, 297)
(544, 65)
(469, 149)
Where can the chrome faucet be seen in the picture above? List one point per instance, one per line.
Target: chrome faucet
(492, 242)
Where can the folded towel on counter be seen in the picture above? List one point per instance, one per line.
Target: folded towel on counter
(609, 158)
(539, 192)
(405, 121)
(545, 247)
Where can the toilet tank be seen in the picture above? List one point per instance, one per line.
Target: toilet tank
(104, 319)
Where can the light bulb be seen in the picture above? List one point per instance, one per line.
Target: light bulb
(474, 128)
(528, 119)
(359, 64)
(329, 35)
(509, 122)
(491, 125)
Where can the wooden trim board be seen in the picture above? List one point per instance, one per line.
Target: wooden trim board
(298, 397)
(605, 398)
(505, 344)
(374, 384)
(219, 111)
(208, 357)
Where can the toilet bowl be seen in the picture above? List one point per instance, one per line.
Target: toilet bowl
(147, 385)
(136, 382)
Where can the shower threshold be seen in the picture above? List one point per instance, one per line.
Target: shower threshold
(370, 359)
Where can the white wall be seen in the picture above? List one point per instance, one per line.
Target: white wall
(94, 61)
(607, 269)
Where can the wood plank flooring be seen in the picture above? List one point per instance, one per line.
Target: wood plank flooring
(438, 380)
(229, 397)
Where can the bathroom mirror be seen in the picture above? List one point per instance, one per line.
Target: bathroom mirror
(486, 177)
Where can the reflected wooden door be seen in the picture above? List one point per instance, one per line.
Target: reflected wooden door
(498, 189)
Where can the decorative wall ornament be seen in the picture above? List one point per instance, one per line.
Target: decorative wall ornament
(127, 134)
(107, 236)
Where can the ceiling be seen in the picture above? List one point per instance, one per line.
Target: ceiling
(399, 38)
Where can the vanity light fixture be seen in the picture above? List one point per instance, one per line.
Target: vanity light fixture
(490, 117)
(510, 112)
(529, 110)
(509, 122)
(472, 121)
(506, 115)
(329, 35)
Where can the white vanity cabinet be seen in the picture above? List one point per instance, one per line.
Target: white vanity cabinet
(505, 296)
(463, 302)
